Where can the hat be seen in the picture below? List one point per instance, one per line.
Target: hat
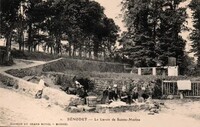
(115, 85)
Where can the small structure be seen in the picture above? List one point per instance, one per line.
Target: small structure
(165, 70)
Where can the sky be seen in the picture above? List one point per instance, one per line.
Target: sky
(113, 10)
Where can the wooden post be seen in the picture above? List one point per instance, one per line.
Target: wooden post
(193, 89)
(162, 88)
(173, 88)
(154, 71)
(181, 95)
(196, 89)
(139, 71)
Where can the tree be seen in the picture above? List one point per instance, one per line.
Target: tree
(110, 36)
(9, 16)
(37, 12)
(195, 35)
(153, 31)
(170, 42)
(140, 46)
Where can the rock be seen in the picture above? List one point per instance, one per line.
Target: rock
(46, 97)
(73, 109)
(117, 104)
(170, 97)
(135, 107)
(74, 101)
(157, 105)
(162, 103)
(154, 110)
(15, 86)
(150, 113)
(102, 108)
(143, 106)
(91, 101)
(140, 100)
(85, 108)
(164, 97)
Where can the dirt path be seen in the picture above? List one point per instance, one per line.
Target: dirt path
(17, 109)
(21, 63)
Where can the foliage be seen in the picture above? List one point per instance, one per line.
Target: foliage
(82, 23)
(195, 35)
(153, 31)
(8, 19)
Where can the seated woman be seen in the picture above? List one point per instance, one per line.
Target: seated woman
(135, 94)
(105, 98)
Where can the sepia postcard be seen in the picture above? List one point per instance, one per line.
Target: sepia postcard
(99, 63)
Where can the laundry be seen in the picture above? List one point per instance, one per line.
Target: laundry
(184, 84)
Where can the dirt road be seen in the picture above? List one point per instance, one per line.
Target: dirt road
(16, 109)
(21, 63)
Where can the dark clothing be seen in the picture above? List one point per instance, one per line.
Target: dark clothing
(114, 94)
(145, 96)
(105, 96)
(81, 93)
(129, 99)
(134, 95)
(110, 95)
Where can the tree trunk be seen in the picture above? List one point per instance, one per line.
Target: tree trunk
(8, 47)
(23, 43)
(20, 46)
(80, 51)
(30, 36)
(74, 49)
(73, 52)
(90, 54)
(58, 44)
(96, 50)
(70, 49)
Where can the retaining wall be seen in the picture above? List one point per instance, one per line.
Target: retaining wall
(54, 95)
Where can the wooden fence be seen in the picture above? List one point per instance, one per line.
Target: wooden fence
(170, 88)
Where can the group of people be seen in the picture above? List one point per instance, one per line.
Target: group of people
(76, 89)
(127, 93)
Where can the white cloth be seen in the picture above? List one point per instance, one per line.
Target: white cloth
(143, 88)
(77, 83)
(184, 85)
(173, 71)
(40, 85)
(124, 88)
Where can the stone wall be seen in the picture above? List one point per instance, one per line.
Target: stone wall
(56, 96)
(99, 83)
